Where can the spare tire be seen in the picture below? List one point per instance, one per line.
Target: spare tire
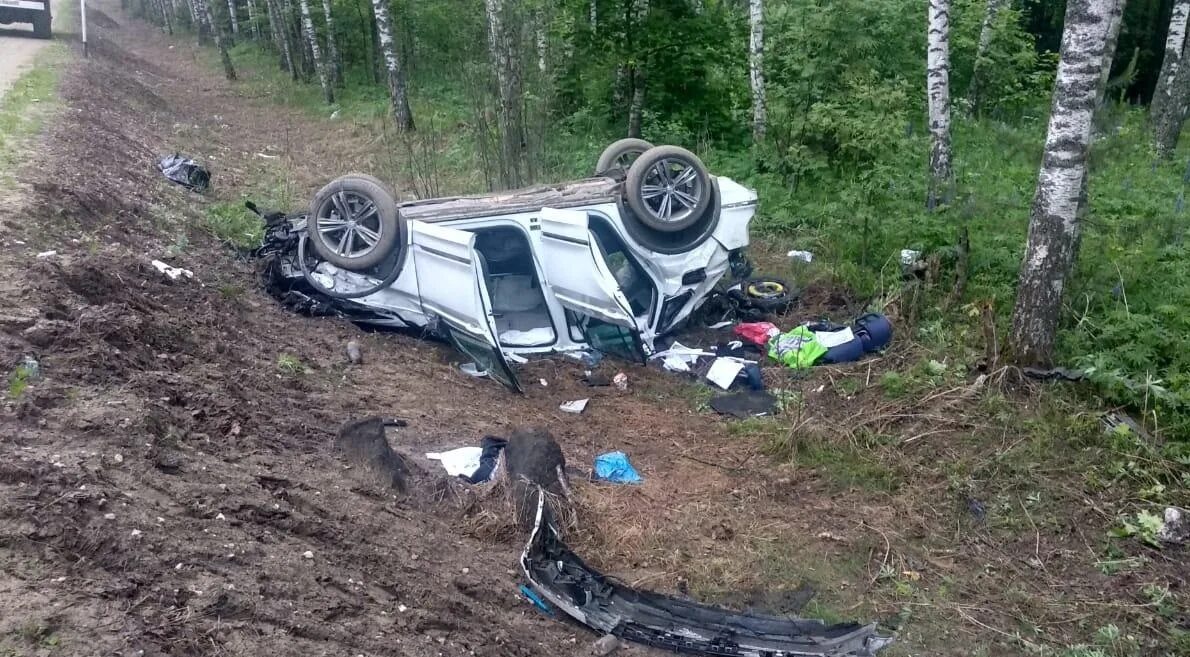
(354, 223)
(621, 154)
(668, 189)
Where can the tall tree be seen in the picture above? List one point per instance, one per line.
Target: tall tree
(332, 46)
(199, 21)
(1051, 248)
(320, 65)
(228, 70)
(1173, 117)
(396, 74)
(941, 190)
(166, 24)
(979, 73)
(756, 67)
(253, 23)
(233, 16)
(281, 37)
(637, 77)
(508, 87)
(1175, 42)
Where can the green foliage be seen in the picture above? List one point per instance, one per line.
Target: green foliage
(291, 365)
(233, 223)
(1144, 527)
(21, 377)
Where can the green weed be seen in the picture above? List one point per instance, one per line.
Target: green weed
(233, 223)
(291, 365)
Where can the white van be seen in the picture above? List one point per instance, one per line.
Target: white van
(609, 262)
(36, 12)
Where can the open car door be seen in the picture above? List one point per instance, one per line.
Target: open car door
(579, 277)
(452, 285)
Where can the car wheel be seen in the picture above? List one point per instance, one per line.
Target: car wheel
(354, 222)
(621, 154)
(668, 189)
(767, 294)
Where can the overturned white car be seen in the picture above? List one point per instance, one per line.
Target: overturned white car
(609, 262)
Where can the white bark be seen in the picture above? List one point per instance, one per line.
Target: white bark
(541, 39)
(1175, 42)
(392, 65)
(594, 15)
(979, 72)
(281, 36)
(204, 7)
(756, 68)
(253, 25)
(235, 20)
(332, 45)
(941, 189)
(328, 91)
(1053, 225)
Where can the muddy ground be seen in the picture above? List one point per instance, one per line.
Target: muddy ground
(169, 484)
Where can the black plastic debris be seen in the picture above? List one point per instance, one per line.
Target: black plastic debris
(561, 578)
(745, 404)
(185, 171)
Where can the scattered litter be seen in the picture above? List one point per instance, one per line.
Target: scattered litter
(723, 324)
(268, 157)
(135, 533)
(30, 368)
(797, 348)
(1175, 529)
(354, 355)
(544, 383)
(614, 467)
(804, 256)
(588, 357)
(724, 371)
(109, 516)
(532, 596)
(461, 462)
(185, 171)
(605, 645)
(475, 465)
(471, 369)
(173, 273)
(220, 517)
(530, 338)
(840, 342)
(621, 381)
(46, 254)
(308, 554)
(757, 333)
(679, 357)
(909, 256)
(745, 404)
(835, 338)
(577, 406)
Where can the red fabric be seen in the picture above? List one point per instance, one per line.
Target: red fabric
(758, 333)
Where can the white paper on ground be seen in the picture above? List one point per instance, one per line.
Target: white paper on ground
(575, 406)
(723, 324)
(675, 363)
(830, 339)
(462, 461)
(514, 338)
(679, 357)
(724, 371)
(804, 256)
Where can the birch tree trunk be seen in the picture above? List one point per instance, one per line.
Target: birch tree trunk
(593, 16)
(508, 87)
(396, 75)
(285, 44)
(1175, 42)
(332, 46)
(199, 22)
(166, 24)
(975, 91)
(253, 25)
(1169, 126)
(228, 70)
(328, 90)
(235, 19)
(941, 190)
(637, 77)
(1051, 248)
(756, 68)
(541, 39)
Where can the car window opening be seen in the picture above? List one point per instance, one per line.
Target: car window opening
(631, 277)
(518, 302)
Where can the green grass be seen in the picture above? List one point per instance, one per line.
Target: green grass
(234, 224)
(28, 104)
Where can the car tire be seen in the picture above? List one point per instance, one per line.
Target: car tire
(770, 295)
(352, 194)
(41, 26)
(615, 156)
(650, 194)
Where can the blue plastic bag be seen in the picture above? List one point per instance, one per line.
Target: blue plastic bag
(614, 467)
